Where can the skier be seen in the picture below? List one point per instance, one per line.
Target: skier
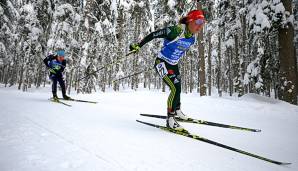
(56, 64)
(177, 40)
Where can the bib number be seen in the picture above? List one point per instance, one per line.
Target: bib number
(161, 69)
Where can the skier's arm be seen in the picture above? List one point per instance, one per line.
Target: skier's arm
(167, 33)
(47, 60)
(162, 33)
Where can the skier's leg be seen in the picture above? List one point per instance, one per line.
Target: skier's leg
(54, 86)
(177, 84)
(174, 82)
(167, 74)
(162, 68)
(173, 94)
(176, 79)
(63, 88)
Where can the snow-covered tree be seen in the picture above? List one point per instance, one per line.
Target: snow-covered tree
(245, 44)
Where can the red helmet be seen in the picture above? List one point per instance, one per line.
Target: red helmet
(194, 15)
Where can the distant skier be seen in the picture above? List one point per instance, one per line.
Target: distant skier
(177, 40)
(56, 64)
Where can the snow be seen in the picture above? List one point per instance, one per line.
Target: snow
(85, 54)
(141, 4)
(63, 9)
(242, 11)
(36, 134)
(106, 22)
(50, 42)
(171, 4)
(119, 74)
(12, 9)
(253, 68)
(229, 43)
(77, 18)
(60, 43)
(99, 29)
(125, 4)
(86, 23)
(291, 19)
(1, 11)
(35, 33)
(279, 8)
(258, 18)
(258, 84)
(262, 21)
(28, 8)
(2, 49)
(65, 26)
(261, 51)
(113, 8)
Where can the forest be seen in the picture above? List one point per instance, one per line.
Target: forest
(246, 46)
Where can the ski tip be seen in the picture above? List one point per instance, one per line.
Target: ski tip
(92, 102)
(258, 130)
(146, 123)
(284, 164)
(142, 122)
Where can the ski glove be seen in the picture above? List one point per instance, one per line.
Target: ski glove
(55, 69)
(52, 71)
(134, 47)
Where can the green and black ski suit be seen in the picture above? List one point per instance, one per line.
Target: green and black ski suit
(177, 41)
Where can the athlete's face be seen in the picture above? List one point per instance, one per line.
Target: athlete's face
(196, 25)
(60, 58)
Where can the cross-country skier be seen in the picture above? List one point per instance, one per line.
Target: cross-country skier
(56, 64)
(177, 40)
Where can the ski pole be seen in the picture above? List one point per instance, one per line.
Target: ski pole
(107, 65)
(131, 52)
(136, 73)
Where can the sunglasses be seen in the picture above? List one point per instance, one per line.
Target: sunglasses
(199, 21)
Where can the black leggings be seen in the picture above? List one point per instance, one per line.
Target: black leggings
(56, 79)
(171, 76)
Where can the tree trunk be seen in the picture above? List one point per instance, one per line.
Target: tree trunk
(191, 76)
(120, 53)
(288, 63)
(134, 84)
(201, 71)
(209, 63)
(230, 70)
(218, 76)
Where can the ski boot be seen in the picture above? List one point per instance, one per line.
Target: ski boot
(55, 98)
(173, 124)
(65, 97)
(180, 114)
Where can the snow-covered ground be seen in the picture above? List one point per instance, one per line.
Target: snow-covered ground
(39, 135)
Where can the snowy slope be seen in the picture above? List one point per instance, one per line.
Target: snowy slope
(38, 135)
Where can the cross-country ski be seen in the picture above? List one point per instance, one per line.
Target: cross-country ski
(196, 137)
(203, 122)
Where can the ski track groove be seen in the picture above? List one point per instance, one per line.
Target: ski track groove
(98, 157)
